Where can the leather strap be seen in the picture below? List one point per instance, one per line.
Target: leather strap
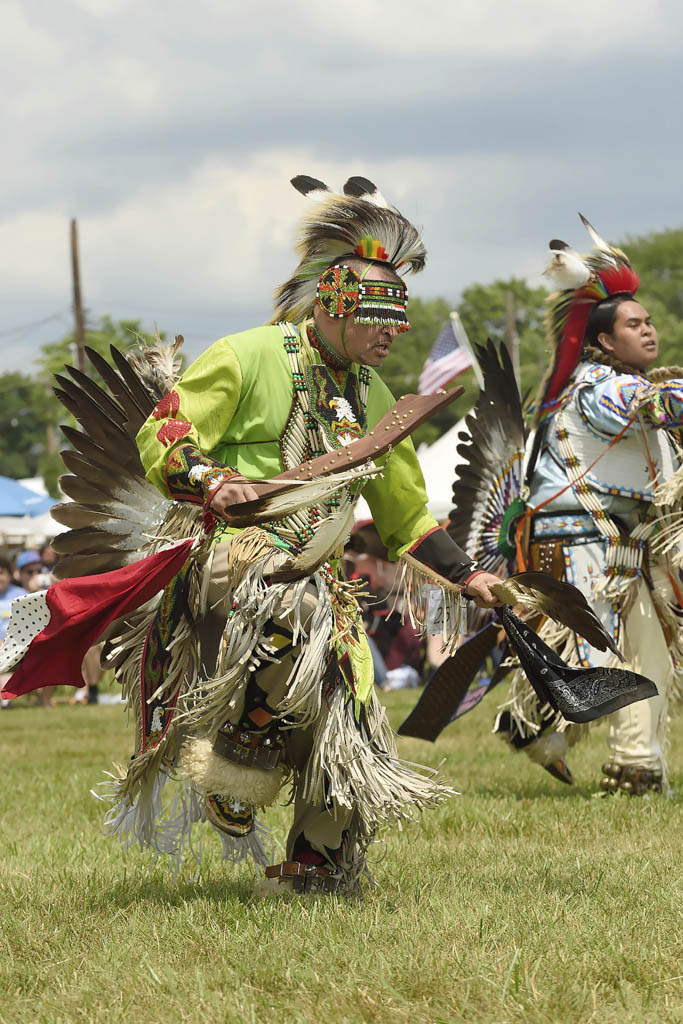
(238, 753)
(400, 421)
(304, 877)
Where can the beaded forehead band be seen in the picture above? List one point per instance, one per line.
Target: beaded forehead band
(341, 292)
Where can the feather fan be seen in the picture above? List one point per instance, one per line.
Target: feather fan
(115, 513)
(488, 484)
(293, 496)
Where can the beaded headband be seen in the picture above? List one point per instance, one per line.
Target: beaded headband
(341, 293)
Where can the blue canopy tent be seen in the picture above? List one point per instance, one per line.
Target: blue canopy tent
(17, 500)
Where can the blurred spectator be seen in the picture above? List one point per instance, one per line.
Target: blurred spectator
(48, 557)
(398, 651)
(30, 572)
(8, 591)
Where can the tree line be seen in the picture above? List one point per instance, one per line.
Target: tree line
(30, 413)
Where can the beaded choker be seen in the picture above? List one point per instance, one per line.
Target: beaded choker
(323, 347)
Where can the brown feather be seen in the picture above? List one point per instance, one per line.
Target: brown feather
(560, 601)
(90, 541)
(111, 409)
(91, 565)
(136, 413)
(127, 456)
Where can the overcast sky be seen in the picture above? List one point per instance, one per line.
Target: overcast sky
(171, 129)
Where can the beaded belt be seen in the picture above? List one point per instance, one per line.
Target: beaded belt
(563, 525)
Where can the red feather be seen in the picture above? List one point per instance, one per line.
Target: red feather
(621, 278)
(569, 350)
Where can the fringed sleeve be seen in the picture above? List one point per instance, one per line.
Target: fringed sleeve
(434, 572)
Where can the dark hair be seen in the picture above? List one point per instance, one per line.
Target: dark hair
(5, 564)
(602, 317)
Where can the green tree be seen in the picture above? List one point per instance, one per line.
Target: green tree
(401, 371)
(483, 312)
(124, 334)
(23, 425)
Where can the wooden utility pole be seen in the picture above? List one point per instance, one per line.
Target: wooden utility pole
(79, 330)
(511, 336)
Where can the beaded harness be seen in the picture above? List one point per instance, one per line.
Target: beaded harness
(624, 555)
(304, 439)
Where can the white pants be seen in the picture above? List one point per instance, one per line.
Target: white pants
(636, 732)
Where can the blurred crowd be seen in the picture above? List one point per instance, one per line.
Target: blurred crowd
(401, 658)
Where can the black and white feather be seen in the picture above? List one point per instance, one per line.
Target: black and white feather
(115, 515)
(488, 484)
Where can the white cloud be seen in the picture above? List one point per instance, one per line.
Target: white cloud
(171, 130)
(484, 28)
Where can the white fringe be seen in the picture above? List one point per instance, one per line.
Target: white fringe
(358, 771)
(257, 845)
(146, 822)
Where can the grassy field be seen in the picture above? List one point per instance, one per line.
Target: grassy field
(521, 900)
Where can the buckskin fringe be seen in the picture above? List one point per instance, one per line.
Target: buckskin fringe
(352, 857)
(244, 647)
(257, 846)
(356, 765)
(416, 585)
(145, 820)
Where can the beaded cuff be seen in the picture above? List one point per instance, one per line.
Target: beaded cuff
(193, 476)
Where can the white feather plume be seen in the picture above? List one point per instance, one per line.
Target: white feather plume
(566, 268)
(363, 188)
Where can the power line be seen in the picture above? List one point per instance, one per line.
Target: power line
(35, 323)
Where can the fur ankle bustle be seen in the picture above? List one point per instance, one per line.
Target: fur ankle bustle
(200, 763)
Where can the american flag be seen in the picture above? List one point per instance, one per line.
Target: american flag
(451, 355)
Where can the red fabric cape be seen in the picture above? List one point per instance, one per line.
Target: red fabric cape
(81, 609)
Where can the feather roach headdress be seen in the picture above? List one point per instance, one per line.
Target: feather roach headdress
(359, 223)
(582, 282)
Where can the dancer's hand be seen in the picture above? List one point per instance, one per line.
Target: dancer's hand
(480, 590)
(234, 492)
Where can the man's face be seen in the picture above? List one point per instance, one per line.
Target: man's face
(28, 572)
(633, 339)
(367, 344)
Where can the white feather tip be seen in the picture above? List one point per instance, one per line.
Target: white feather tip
(566, 268)
(595, 238)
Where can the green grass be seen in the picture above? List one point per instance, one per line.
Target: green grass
(521, 900)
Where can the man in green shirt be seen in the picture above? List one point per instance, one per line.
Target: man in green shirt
(288, 675)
